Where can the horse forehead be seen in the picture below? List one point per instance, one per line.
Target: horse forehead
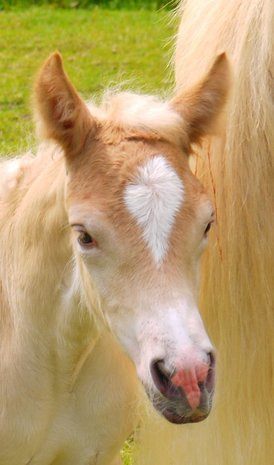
(154, 198)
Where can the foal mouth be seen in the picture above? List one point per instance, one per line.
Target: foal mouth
(176, 418)
(178, 411)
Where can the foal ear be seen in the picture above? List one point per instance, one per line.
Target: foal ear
(61, 113)
(201, 105)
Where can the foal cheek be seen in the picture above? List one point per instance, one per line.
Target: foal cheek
(116, 304)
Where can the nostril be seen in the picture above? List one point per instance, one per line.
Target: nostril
(162, 380)
(209, 382)
(211, 359)
(160, 376)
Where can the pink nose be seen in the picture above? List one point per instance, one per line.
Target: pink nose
(189, 379)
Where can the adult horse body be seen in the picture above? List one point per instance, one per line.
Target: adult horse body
(237, 292)
(100, 244)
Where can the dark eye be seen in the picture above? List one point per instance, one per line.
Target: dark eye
(85, 239)
(207, 229)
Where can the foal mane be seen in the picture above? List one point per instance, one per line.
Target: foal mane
(132, 115)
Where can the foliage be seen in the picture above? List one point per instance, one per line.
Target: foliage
(74, 4)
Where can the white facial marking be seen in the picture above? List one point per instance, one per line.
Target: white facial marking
(153, 199)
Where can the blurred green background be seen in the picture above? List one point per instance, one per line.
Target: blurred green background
(112, 4)
(101, 47)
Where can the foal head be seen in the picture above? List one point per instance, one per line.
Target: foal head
(139, 223)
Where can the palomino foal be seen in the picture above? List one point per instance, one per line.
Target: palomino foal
(100, 245)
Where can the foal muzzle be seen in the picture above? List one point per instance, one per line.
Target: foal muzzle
(184, 396)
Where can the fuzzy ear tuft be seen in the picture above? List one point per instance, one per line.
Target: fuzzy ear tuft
(61, 113)
(200, 106)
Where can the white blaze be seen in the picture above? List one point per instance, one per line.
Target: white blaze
(153, 199)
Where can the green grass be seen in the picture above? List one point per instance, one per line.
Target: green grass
(101, 48)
